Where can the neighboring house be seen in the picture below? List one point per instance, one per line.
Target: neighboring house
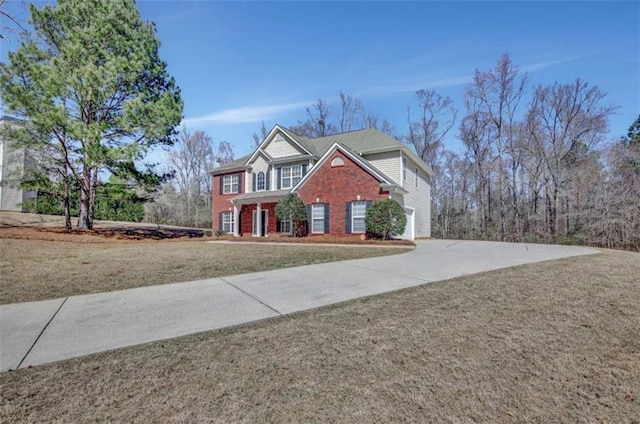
(337, 177)
(14, 162)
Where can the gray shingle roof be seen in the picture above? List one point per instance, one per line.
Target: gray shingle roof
(261, 195)
(232, 166)
(358, 141)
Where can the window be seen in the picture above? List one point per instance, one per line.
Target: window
(317, 218)
(231, 184)
(404, 169)
(415, 176)
(260, 181)
(337, 161)
(227, 222)
(291, 175)
(285, 226)
(358, 211)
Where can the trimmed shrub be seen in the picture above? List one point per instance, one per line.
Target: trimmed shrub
(293, 208)
(385, 218)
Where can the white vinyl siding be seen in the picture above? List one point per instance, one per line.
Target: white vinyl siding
(387, 163)
(418, 198)
(317, 218)
(258, 166)
(280, 146)
(231, 184)
(358, 211)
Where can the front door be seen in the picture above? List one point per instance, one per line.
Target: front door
(260, 228)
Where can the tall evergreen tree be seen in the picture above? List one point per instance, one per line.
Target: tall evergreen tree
(92, 88)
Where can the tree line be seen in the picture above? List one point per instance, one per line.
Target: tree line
(536, 165)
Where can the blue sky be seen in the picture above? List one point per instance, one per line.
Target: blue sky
(241, 63)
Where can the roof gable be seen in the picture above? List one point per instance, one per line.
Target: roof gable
(278, 134)
(368, 141)
(363, 163)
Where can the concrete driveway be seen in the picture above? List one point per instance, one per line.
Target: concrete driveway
(39, 332)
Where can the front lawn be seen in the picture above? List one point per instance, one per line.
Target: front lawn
(48, 264)
(550, 342)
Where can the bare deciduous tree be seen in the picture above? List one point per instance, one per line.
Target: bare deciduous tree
(349, 112)
(566, 122)
(498, 93)
(318, 122)
(191, 159)
(256, 138)
(14, 21)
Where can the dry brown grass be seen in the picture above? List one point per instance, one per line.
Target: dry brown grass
(42, 269)
(40, 260)
(551, 342)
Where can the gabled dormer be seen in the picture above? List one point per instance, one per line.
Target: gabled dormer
(280, 162)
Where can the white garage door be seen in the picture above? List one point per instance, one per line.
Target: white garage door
(408, 230)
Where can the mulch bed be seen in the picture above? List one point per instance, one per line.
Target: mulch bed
(133, 233)
(100, 234)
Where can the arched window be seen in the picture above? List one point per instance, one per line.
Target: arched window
(337, 161)
(260, 181)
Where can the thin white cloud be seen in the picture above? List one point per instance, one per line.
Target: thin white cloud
(245, 114)
(426, 84)
(455, 81)
(542, 65)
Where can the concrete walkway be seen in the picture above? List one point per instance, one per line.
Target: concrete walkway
(39, 332)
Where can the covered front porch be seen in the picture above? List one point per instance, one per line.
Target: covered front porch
(254, 213)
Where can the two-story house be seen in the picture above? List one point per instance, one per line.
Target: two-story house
(336, 176)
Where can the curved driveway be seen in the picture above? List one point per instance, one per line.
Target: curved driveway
(39, 332)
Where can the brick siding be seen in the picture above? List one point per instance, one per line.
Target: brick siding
(221, 202)
(339, 185)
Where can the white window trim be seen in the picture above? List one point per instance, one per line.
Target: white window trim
(404, 169)
(314, 218)
(229, 182)
(294, 170)
(289, 223)
(264, 181)
(354, 217)
(227, 219)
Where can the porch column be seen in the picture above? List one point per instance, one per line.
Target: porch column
(236, 223)
(259, 220)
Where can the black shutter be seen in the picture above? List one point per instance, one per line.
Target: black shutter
(220, 221)
(240, 182)
(253, 187)
(304, 169)
(221, 183)
(277, 225)
(347, 218)
(279, 183)
(326, 218)
(309, 219)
